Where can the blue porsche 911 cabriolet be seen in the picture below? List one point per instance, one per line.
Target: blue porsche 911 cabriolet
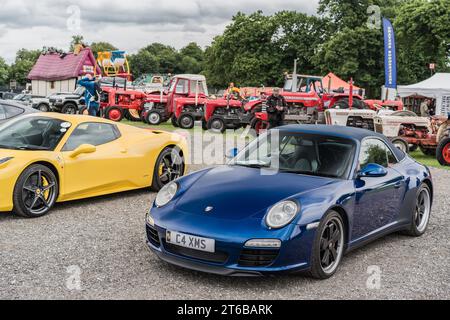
(296, 199)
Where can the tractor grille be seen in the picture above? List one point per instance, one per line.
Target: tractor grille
(152, 236)
(257, 257)
(217, 257)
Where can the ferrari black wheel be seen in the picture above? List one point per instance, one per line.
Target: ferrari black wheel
(328, 248)
(169, 167)
(35, 192)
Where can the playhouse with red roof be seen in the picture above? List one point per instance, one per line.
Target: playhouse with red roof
(58, 72)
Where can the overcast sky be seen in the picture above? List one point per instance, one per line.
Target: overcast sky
(128, 24)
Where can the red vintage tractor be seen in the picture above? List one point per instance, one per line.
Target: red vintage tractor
(223, 113)
(187, 101)
(116, 103)
(183, 103)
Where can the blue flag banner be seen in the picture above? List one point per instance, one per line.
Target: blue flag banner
(390, 59)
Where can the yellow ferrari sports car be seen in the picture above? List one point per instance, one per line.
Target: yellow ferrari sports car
(48, 158)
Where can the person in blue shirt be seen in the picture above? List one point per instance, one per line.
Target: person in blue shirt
(90, 95)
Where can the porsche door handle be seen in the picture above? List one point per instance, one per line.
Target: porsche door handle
(398, 185)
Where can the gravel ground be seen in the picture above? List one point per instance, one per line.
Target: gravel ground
(104, 238)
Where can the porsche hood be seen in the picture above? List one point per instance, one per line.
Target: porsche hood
(233, 192)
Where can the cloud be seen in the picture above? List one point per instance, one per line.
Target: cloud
(129, 24)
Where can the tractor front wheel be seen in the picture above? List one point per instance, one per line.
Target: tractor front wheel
(216, 124)
(186, 121)
(114, 113)
(443, 152)
(153, 117)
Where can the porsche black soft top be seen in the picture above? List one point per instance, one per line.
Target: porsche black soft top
(351, 133)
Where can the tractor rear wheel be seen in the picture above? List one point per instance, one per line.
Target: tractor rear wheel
(428, 151)
(174, 121)
(443, 152)
(153, 117)
(186, 121)
(132, 115)
(216, 124)
(114, 113)
(204, 124)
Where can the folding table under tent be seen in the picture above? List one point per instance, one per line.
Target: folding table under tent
(437, 87)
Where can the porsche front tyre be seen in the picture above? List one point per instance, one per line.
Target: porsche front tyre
(169, 167)
(328, 246)
(35, 192)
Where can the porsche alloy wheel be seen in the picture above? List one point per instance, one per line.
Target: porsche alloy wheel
(422, 212)
(169, 167)
(35, 192)
(328, 246)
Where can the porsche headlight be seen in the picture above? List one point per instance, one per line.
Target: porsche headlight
(166, 194)
(282, 214)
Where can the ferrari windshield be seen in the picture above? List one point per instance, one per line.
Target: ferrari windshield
(300, 153)
(32, 133)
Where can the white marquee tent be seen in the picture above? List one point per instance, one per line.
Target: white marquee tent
(437, 87)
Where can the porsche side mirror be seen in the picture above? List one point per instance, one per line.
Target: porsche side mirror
(83, 149)
(372, 170)
(232, 153)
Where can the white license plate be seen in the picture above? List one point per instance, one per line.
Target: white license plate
(191, 242)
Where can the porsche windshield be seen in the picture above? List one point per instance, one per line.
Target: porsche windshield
(300, 153)
(32, 133)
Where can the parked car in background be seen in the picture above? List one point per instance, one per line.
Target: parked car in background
(68, 103)
(25, 98)
(7, 95)
(10, 110)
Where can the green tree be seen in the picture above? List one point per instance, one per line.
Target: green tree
(423, 37)
(101, 46)
(24, 62)
(4, 72)
(245, 53)
(76, 39)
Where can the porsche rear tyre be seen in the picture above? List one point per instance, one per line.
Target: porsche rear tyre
(443, 152)
(35, 192)
(169, 167)
(421, 214)
(328, 246)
